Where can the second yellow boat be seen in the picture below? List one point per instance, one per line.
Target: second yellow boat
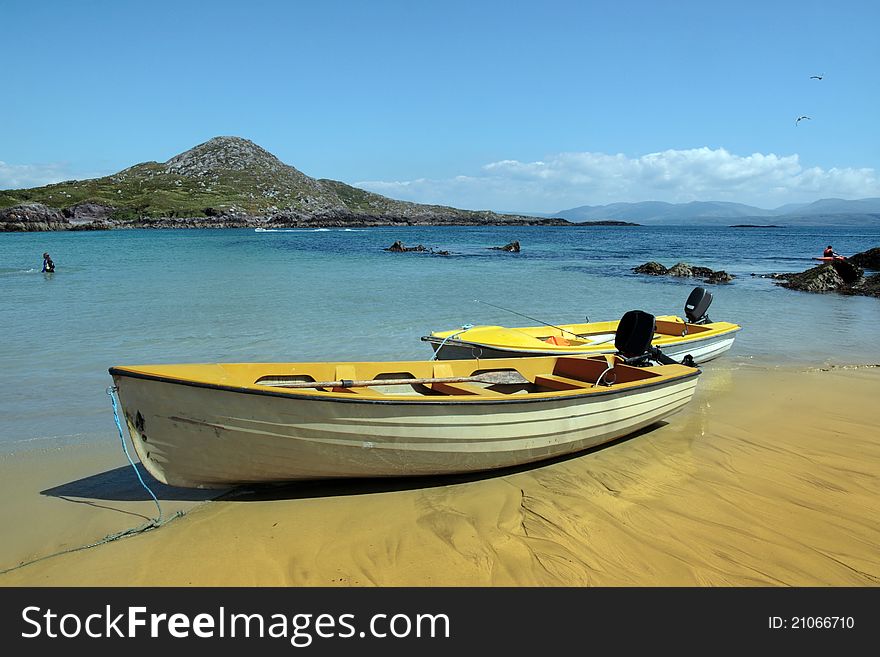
(694, 335)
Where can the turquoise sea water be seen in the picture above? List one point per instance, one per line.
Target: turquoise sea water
(150, 296)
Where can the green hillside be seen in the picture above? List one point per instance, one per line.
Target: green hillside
(228, 176)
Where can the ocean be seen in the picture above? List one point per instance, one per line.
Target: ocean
(128, 297)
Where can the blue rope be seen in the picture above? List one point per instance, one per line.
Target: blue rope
(150, 524)
(464, 327)
(110, 391)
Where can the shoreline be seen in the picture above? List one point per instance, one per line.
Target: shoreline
(174, 223)
(768, 478)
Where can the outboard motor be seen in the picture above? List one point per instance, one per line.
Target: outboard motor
(633, 339)
(634, 333)
(696, 306)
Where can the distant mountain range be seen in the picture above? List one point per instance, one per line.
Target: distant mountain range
(822, 212)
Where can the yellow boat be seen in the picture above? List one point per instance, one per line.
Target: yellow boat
(215, 425)
(695, 336)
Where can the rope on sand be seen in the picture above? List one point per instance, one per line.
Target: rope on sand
(152, 523)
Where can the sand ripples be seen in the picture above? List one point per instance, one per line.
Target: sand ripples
(769, 478)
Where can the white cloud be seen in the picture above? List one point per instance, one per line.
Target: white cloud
(568, 180)
(20, 176)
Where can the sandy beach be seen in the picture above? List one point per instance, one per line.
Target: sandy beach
(770, 477)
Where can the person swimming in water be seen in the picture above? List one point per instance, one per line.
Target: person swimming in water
(48, 265)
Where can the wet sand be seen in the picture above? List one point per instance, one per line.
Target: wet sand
(770, 477)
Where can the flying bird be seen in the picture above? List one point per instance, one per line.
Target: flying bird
(801, 118)
(816, 77)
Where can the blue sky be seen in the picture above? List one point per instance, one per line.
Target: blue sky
(512, 106)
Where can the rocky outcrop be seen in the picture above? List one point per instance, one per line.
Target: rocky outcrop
(36, 217)
(840, 276)
(868, 286)
(684, 270)
(231, 153)
(651, 269)
(823, 278)
(848, 272)
(869, 259)
(32, 217)
(87, 212)
(398, 247)
(513, 247)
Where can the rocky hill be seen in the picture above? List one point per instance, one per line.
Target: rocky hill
(224, 182)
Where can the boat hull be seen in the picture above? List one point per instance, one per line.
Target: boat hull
(700, 349)
(207, 436)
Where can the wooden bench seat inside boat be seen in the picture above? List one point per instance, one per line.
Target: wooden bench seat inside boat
(588, 370)
(462, 388)
(561, 382)
(371, 391)
(677, 329)
(443, 371)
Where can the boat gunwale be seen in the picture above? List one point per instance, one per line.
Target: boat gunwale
(552, 396)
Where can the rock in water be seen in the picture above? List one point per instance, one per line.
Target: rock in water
(824, 278)
(513, 247)
(869, 259)
(651, 268)
(398, 247)
(684, 270)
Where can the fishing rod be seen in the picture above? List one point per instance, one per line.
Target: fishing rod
(531, 318)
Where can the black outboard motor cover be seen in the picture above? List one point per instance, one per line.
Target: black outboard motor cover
(697, 304)
(634, 333)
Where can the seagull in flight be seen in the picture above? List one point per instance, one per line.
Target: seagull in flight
(816, 77)
(801, 118)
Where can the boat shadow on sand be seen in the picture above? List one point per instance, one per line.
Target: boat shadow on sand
(121, 485)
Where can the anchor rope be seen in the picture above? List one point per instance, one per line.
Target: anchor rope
(151, 523)
(111, 391)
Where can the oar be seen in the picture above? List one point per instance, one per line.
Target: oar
(509, 377)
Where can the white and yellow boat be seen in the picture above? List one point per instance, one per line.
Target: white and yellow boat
(216, 425)
(676, 337)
